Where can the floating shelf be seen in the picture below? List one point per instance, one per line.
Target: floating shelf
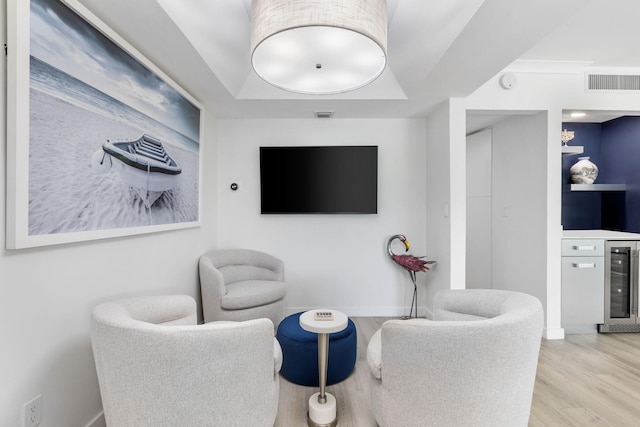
(572, 149)
(597, 187)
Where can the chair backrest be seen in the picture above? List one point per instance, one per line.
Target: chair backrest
(237, 265)
(474, 365)
(156, 367)
(158, 310)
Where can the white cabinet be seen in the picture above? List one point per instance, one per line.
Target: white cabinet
(582, 284)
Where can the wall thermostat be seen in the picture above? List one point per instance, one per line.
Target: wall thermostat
(508, 81)
(234, 186)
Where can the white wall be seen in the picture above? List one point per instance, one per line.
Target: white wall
(47, 294)
(338, 261)
(446, 196)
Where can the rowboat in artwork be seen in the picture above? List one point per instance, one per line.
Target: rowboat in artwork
(143, 164)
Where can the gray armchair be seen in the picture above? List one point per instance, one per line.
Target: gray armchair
(473, 365)
(241, 284)
(156, 367)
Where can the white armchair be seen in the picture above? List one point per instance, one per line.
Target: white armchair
(473, 365)
(241, 284)
(156, 367)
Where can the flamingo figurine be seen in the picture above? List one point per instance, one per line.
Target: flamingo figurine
(410, 263)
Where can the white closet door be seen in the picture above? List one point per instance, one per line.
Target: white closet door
(478, 267)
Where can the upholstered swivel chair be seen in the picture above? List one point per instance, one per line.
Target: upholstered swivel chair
(473, 365)
(156, 367)
(242, 284)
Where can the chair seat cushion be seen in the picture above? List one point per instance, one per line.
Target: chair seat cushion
(252, 293)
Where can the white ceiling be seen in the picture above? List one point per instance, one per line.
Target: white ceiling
(437, 49)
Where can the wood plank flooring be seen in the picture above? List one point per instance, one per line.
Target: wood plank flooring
(584, 380)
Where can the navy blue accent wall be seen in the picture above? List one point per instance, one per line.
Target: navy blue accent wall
(581, 210)
(620, 157)
(614, 146)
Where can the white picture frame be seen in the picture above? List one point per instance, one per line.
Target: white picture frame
(56, 115)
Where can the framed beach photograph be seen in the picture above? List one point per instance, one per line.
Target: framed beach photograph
(100, 142)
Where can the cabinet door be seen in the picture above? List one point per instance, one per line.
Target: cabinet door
(582, 290)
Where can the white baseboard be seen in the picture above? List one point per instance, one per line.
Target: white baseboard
(97, 421)
(553, 333)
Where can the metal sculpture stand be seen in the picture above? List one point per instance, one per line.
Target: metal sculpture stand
(414, 300)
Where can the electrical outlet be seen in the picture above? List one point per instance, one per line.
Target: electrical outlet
(33, 412)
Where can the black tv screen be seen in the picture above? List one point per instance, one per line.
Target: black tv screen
(318, 180)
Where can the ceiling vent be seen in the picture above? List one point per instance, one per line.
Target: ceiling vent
(323, 114)
(613, 82)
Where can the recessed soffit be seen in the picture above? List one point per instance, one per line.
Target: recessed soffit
(419, 35)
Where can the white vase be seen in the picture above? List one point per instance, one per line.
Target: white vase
(583, 171)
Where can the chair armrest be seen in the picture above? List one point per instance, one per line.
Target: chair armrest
(472, 304)
(374, 354)
(277, 356)
(211, 279)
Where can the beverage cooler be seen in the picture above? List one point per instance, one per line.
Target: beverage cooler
(621, 287)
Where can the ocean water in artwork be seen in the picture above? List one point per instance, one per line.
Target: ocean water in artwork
(69, 121)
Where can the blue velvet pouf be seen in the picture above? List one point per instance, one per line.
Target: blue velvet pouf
(300, 353)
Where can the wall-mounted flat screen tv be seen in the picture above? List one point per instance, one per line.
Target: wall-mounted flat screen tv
(319, 180)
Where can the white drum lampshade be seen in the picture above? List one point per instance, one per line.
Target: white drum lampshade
(319, 46)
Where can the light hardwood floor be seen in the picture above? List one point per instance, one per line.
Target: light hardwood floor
(584, 380)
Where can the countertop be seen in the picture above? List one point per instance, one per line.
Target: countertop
(599, 234)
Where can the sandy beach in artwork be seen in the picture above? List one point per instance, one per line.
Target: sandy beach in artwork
(65, 195)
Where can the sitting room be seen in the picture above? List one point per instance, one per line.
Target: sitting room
(140, 142)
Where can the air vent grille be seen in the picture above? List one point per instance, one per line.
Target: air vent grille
(613, 82)
(618, 328)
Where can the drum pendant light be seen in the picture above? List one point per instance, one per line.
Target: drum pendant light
(319, 46)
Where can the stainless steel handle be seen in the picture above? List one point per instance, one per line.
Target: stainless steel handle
(584, 264)
(584, 248)
(635, 276)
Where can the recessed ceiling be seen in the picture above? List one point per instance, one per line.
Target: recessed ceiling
(221, 35)
(437, 50)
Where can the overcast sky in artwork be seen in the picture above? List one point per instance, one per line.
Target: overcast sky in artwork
(62, 39)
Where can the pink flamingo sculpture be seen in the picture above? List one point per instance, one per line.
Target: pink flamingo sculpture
(410, 263)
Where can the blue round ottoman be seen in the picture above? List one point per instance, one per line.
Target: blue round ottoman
(300, 352)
